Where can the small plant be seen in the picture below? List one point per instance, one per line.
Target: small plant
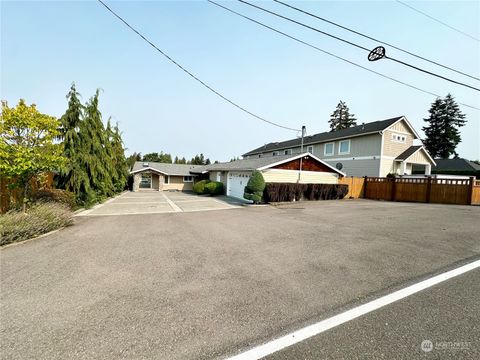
(214, 188)
(56, 195)
(255, 187)
(39, 219)
(200, 187)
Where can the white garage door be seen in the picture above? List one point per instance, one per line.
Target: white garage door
(236, 183)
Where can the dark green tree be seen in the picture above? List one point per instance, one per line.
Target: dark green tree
(198, 160)
(73, 176)
(119, 162)
(158, 157)
(341, 118)
(255, 186)
(133, 158)
(98, 162)
(441, 134)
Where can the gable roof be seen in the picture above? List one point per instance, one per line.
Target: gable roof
(262, 163)
(412, 150)
(455, 165)
(164, 168)
(360, 130)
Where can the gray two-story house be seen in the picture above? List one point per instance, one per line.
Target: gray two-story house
(377, 148)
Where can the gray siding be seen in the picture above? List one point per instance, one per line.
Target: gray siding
(367, 167)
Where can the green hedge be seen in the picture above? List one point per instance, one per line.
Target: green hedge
(278, 192)
(255, 187)
(214, 188)
(208, 187)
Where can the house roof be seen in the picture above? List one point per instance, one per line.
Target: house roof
(359, 130)
(412, 150)
(164, 168)
(262, 163)
(409, 152)
(455, 165)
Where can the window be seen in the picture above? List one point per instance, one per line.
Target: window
(344, 147)
(276, 153)
(187, 178)
(310, 149)
(328, 149)
(146, 181)
(288, 152)
(399, 138)
(166, 179)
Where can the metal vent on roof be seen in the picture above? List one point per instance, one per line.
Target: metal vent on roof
(145, 164)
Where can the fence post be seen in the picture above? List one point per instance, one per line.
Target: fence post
(394, 189)
(364, 187)
(429, 189)
(470, 190)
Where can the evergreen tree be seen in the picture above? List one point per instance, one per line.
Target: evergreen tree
(341, 118)
(133, 158)
(198, 160)
(98, 163)
(255, 186)
(119, 162)
(73, 176)
(442, 134)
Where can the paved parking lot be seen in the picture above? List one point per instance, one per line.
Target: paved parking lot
(155, 202)
(209, 285)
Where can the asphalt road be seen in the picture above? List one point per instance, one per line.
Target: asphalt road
(210, 284)
(446, 315)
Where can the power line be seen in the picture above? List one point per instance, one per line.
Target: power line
(192, 75)
(374, 39)
(331, 54)
(356, 45)
(439, 21)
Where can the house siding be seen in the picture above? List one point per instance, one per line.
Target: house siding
(393, 148)
(358, 167)
(176, 183)
(388, 167)
(419, 158)
(306, 177)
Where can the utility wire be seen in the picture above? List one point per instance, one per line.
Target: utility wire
(439, 21)
(356, 45)
(374, 39)
(331, 54)
(192, 75)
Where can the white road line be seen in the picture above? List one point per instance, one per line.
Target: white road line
(172, 204)
(324, 325)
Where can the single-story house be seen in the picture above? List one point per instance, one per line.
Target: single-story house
(161, 176)
(302, 168)
(456, 166)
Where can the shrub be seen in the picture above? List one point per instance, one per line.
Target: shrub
(214, 188)
(64, 197)
(255, 187)
(278, 192)
(39, 219)
(199, 187)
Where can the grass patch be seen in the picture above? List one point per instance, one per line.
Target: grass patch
(39, 219)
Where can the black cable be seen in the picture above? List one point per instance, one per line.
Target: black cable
(356, 45)
(374, 39)
(439, 21)
(331, 54)
(190, 74)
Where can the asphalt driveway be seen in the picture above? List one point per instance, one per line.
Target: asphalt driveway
(190, 285)
(159, 202)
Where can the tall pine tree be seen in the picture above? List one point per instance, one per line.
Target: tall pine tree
(73, 176)
(98, 161)
(341, 118)
(119, 162)
(442, 134)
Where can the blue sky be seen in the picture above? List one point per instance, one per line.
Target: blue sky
(45, 46)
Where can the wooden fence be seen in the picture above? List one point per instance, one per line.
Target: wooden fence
(355, 186)
(10, 196)
(427, 190)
